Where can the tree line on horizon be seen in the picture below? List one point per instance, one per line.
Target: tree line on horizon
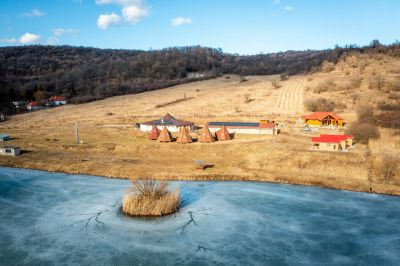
(86, 74)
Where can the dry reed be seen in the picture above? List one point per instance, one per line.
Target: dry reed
(150, 198)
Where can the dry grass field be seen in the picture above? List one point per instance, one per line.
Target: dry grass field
(113, 147)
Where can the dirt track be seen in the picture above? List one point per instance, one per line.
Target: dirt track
(290, 98)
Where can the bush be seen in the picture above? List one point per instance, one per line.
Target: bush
(365, 114)
(355, 82)
(275, 84)
(386, 106)
(390, 119)
(319, 105)
(385, 164)
(284, 76)
(150, 198)
(395, 85)
(327, 85)
(364, 132)
(328, 66)
(377, 82)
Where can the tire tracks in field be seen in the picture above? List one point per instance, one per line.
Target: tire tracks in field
(290, 98)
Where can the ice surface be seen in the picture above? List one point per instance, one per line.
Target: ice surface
(59, 219)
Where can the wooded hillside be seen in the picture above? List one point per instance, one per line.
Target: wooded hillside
(85, 74)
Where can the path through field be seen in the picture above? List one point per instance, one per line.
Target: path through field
(290, 98)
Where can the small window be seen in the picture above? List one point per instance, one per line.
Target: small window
(8, 150)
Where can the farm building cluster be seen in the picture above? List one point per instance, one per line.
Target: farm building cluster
(38, 105)
(162, 129)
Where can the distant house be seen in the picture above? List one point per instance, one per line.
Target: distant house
(2, 117)
(10, 151)
(34, 106)
(263, 127)
(172, 124)
(19, 104)
(340, 143)
(57, 100)
(4, 137)
(319, 119)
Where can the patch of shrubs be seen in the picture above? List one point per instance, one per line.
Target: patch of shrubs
(363, 132)
(322, 105)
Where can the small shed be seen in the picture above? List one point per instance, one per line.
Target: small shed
(4, 137)
(184, 137)
(165, 136)
(206, 136)
(10, 150)
(223, 134)
(154, 133)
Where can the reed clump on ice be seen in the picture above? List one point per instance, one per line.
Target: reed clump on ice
(150, 198)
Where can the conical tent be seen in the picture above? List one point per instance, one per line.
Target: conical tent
(206, 136)
(154, 133)
(165, 136)
(223, 134)
(184, 136)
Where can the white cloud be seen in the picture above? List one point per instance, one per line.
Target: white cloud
(120, 2)
(106, 20)
(134, 13)
(8, 40)
(132, 10)
(61, 31)
(180, 21)
(29, 38)
(277, 2)
(289, 8)
(36, 12)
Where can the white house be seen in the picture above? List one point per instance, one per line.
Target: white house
(172, 124)
(10, 151)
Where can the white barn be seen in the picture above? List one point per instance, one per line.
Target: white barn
(172, 124)
(264, 127)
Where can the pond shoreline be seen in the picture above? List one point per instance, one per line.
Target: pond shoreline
(382, 189)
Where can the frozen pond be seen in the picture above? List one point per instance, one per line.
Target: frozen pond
(51, 218)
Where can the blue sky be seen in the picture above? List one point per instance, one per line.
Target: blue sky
(236, 26)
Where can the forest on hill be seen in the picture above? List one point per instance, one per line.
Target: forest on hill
(85, 74)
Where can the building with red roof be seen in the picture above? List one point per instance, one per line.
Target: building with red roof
(319, 119)
(33, 106)
(57, 100)
(332, 142)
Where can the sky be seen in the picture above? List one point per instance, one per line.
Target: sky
(235, 26)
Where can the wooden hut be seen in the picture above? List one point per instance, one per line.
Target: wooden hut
(165, 136)
(206, 136)
(154, 133)
(223, 134)
(184, 137)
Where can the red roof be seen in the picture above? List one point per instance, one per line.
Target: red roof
(267, 125)
(331, 138)
(33, 104)
(57, 98)
(322, 115)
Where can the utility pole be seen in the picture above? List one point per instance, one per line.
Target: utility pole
(76, 133)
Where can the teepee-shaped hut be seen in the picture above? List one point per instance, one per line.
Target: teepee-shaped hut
(154, 133)
(223, 134)
(206, 136)
(184, 136)
(165, 136)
